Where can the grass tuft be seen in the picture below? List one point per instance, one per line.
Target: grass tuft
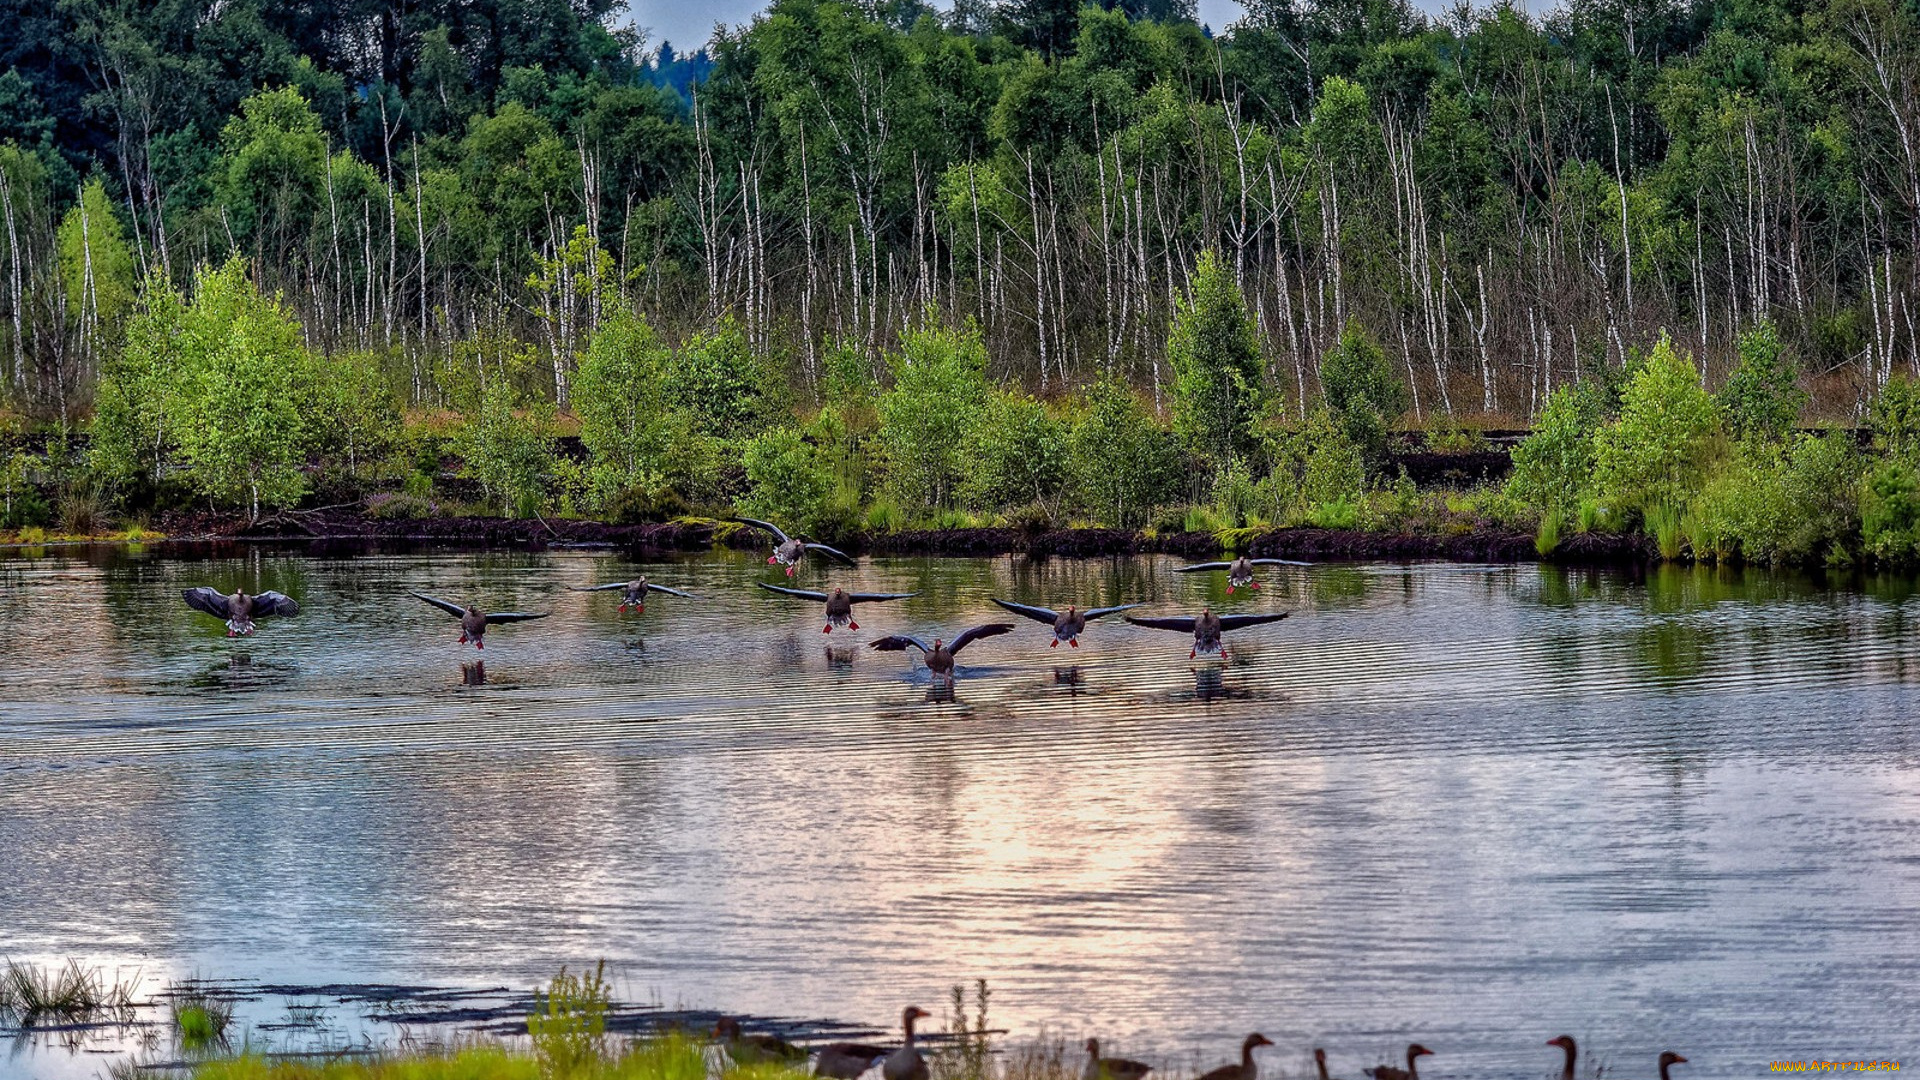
(31, 994)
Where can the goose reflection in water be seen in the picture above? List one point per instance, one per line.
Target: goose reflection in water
(840, 657)
(473, 672)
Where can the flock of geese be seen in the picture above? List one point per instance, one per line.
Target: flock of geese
(240, 611)
(850, 1060)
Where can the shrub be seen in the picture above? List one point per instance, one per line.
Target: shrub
(510, 454)
(618, 396)
(787, 480)
(1894, 417)
(1124, 465)
(1890, 511)
(1761, 399)
(1315, 463)
(1553, 466)
(926, 419)
(1018, 455)
(1668, 433)
(720, 384)
(1362, 391)
(569, 1031)
(1218, 371)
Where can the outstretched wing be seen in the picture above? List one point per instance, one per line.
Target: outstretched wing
(804, 594)
(270, 603)
(973, 634)
(671, 592)
(1182, 623)
(870, 597)
(1235, 622)
(779, 537)
(1278, 562)
(900, 643)
(1037, 614)
(514, 616)
(1195, 568)
(1094, 613)
(834, 552)
(597, 588)
(447, 606)
(211, 601)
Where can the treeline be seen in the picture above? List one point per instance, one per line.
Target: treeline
(1505, 203)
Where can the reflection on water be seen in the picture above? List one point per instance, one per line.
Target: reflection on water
(1475, 805)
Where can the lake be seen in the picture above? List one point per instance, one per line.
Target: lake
(1473, 806)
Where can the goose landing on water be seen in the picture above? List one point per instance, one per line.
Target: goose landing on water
(633, 594)
(239, 610)
(839, 602)
(1067, 625)
(1206, 628)
(1239, 571)
(789, 550)
(939, 655)
(474, 622)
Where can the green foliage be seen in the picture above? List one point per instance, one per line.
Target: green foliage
(96, 264)
(619, 395)
(1553, 466)
(1018, 455)
(1315, 465)
(1780, 503)
(1890, 511)
(788, 481)
(718, 382)
(1124, 465)
(1659, 450)
(357, 419)
(1761, 399)
(1362, 392)
(510, 452)
(569, 1031)
(1217, 366)
(926, 419)
(1894, 418)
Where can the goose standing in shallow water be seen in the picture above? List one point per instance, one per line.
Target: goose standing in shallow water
(756, 1048)
(634, 592)
(906, 1063)
(1239, 571)
(1067, 625)
(1565, 1042)
(1245, 1069)
(1412, 1072)
(1099, 1068)
(1206, 628)
(473, 621)
(839, 602)
(940, 654)
(239, 610)
(1320, 1063)
(847, 1060)
(789, 550)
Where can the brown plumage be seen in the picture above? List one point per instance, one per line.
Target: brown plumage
(1412, 1072)
(1245, 1069)
(839, 602)
(473, 621)
(906, 1063)
(1067, 625)
(1206, 628)
(1239, 571)
(239, 610)
(789, 550)
(847, 1060)
(939, 655)
(633, 593)
(755, 1048)
(1565, 1042)
(1099, 1068)
(1668, 1057)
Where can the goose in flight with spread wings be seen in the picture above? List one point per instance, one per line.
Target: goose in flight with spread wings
(634, 593)
(839, 602)
(939, 655)
(239, 610)
(789, 550)
(473, 621)
(1067, 625)
(1206, 628)
(1239, 571)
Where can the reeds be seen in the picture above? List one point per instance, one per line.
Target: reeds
(31, 994)
(200, 1016)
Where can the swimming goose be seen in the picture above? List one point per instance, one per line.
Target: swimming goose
(1387, 1072)
(1668, 1057)
(634, 594)
(1206, 628)
(755, 1048)
(906, 1063)
(1565, 1042)
(1099, 1068)
(1239, 571)
(789, 550)
(939, 655)
(239, 610)
(1320, 1063)
(1246, 1069)
(1067, 625)
(474, 622)
(846, 1060)
(839, 602)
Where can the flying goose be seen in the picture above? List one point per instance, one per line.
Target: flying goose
(239, 610)
(1206, 628)
(1239, 571)
(907, 1063)
(755, 1048)
(789, 550)
(1412, 1072)
(474, 622)
(1099, 1068)
(939, 655)
(1245, 1069)
(839, 602)
(634, 594)
(1067, 625)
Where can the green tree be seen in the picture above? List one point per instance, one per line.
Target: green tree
(1018, 455)
(1361, 390)
(1762, 399)
(788, 480)
(510, 451)
(1219, 375)
(716, 379)
(620, 398)
(96, 265)
(272, 172)
(1659, 450)
(1124, 465)
(929, 414)
(1553, 465)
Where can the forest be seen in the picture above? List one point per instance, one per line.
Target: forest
(872, 266)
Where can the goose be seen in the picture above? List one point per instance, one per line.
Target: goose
(847, 1060)
(1565, 1042)
(634, 594)
(1206, 628)
(789, 550)
(1239, 571)
(474, 622)
(1411, 1072)
(753, 1049)
(239, 610)
(1667, 1058)
(906, 1063)
(939, 655)
(1245, 1069)
(1067, 625)
(1099, 1068)
(1320, 1063)
(839, 602)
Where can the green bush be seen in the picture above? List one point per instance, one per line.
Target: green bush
(1124, 465)
(1553, 466)
(787, 480)
(569, 1030)
(1218, 371)
(1362, 391)
(619, 397)
(929, 415)
(1890, 511)
(1894, 418)
(1762, 399)
(1315, 464)
(1018, 455)
(718, 381)
(510, 454)
(1665, 441)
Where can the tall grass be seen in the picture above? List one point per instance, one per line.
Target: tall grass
(1668, 528)
(570, 1031)
(31, 994)
(200, 1016)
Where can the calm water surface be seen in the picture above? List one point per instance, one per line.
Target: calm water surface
(1473, 806)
